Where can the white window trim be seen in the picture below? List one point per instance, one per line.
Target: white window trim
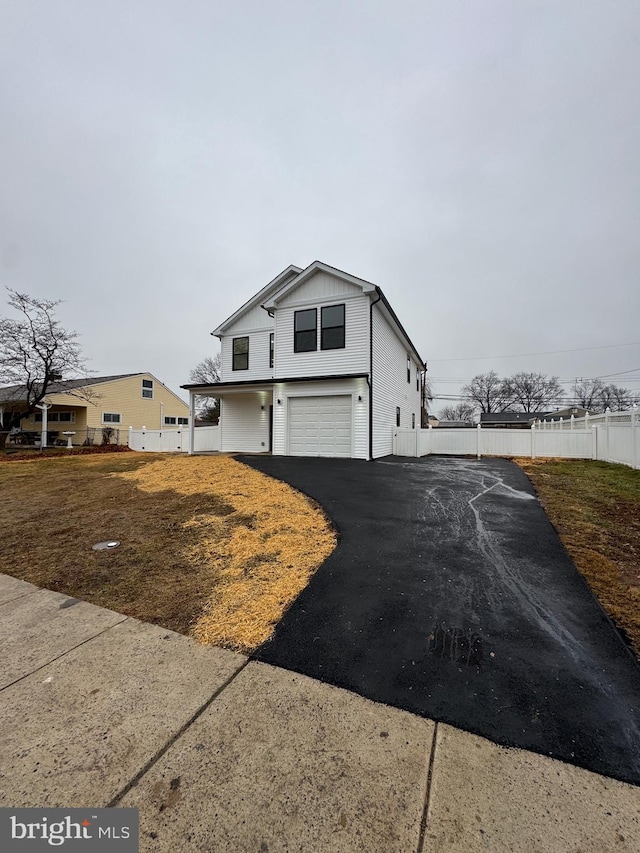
(143, 388)
(113, 414)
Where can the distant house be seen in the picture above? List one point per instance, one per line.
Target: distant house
(565, 414)
(452, 424)
(100, 405)
(510, 420)
(316, 364)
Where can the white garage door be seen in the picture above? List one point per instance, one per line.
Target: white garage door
(320, 426)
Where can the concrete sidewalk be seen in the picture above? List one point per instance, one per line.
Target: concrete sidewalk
(223, 754)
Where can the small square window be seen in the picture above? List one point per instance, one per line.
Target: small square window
(183, 421)
(305, 338)
(147, 389)
(241, 353)
(168, 420)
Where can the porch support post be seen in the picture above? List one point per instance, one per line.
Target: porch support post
(192, 421)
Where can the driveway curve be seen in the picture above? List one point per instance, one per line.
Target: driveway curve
(451, 596)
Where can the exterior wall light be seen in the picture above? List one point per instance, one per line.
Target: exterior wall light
(279, 402)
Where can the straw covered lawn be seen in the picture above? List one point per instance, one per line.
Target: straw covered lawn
(262, 552)
(208, 546)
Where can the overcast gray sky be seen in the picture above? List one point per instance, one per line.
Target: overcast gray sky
(161, 161)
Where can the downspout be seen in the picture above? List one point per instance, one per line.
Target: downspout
(370, 377)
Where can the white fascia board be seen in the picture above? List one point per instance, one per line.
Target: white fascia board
(316, 266)
(259, 297)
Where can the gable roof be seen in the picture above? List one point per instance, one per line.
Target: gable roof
(317, 266)
(366, 286)
(8, 393)
(274, 285)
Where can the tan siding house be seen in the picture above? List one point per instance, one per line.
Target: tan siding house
(110, 402)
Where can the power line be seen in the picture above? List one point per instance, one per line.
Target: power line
(527, 354)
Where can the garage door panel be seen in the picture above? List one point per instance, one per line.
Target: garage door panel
(320, 426)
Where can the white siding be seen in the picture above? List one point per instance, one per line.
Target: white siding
(321, 286)
(255, 318)
(390, 386)
(354, 358)
(258, 357)
(244, 425)
(360, 410)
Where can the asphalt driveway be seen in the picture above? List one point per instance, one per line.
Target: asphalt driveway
(451, 596)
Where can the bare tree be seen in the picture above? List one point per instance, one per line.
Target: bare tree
(586, 393)
(488, 391)
(36, 355)
(459, 412)
(533, 392)
(207, 372)
(615, 398)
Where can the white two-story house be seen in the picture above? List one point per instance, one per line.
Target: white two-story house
(316, 364)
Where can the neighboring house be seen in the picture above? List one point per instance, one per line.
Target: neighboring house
(316, 364)
(565, 414)
(88, 406)
(511, 420)
(452, 424)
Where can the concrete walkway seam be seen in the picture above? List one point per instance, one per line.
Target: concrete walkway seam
(18, 597)
(65, 652)
(427, 797)
(154, 759)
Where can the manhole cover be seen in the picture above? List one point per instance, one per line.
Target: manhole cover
(105, 546)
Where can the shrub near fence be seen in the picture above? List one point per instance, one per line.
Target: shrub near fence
(90, 437)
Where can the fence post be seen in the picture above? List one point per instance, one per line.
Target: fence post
(479, 454)
(606, 431)
(572, 420)
(634, 442)
(533, 440)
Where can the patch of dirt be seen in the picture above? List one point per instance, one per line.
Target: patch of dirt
(209, 546)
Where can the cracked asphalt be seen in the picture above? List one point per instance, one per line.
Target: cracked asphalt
(451, 596)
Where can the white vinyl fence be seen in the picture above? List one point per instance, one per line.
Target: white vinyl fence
(175, 440)
(609, 437)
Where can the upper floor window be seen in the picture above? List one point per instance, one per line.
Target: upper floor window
(408, 368)
(332, 327)
(147, 388)
(271, 350)
(241, 353)
(417, 379)
(305, 338)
